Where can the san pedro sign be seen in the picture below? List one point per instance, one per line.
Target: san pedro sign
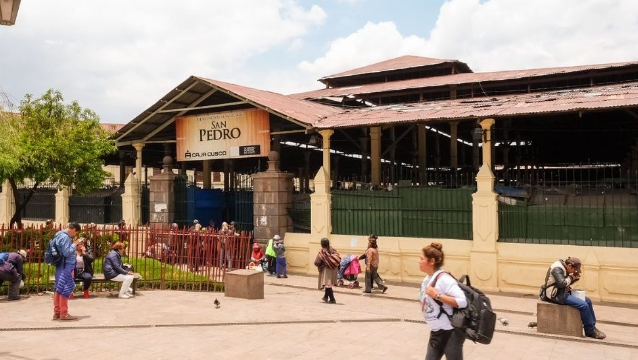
(223, 135)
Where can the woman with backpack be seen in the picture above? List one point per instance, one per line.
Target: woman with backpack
(440, 294)
(327, 261)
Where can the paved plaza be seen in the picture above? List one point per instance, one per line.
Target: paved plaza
(290, 323)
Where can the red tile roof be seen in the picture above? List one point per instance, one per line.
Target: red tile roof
(112, 127)
(583, 99)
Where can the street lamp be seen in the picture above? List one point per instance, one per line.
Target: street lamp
(9, 11)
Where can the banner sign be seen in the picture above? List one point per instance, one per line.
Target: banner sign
(223, 135)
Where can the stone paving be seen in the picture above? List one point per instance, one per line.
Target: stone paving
(290, 323)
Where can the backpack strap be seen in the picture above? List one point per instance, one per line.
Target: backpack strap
(438, 302)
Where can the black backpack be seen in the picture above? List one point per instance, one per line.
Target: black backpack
(52, 255)
(477, 320)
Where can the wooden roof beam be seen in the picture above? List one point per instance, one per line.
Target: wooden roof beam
(156, 111)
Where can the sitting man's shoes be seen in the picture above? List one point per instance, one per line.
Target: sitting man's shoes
(597, 334)
(68, 318)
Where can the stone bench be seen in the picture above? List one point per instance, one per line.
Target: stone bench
(245, 284)
(558, 319)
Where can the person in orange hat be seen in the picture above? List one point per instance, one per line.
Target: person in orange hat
(559, 279)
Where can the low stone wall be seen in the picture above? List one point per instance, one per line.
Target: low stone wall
(609, 274)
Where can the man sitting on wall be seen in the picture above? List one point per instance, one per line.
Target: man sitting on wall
(561, 275)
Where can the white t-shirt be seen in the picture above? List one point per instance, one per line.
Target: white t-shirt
(446, 285)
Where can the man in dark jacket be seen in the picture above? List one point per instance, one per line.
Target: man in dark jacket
(12, 270)
(561, 275)
(114, 270)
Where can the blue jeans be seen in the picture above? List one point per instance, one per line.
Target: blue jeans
(281, 266)
(586, 312)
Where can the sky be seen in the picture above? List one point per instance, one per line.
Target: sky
(118, 57)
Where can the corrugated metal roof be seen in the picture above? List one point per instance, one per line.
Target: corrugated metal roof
(594, 98)
(400, 63)
(307, 112)
(456, 79)
(302, 112)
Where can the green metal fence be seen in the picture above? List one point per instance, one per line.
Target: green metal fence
(594, 206)
(405, 211)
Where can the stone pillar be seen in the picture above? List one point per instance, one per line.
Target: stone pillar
(132, 201)
(138, 160)
(271, 200)
(162, 195)
(375, 154)
(325, 136)
(206, 173)
(483, 257)
(62, 206)
(7, 204)
(422, 153)
(454, 161)
(320, 203)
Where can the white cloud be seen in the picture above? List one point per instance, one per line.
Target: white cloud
(498, 35)
(372, 43)
(296, 45)
(120, 56)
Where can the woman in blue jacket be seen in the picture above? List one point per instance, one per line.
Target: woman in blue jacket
(115, 271)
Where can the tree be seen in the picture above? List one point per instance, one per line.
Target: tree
(51, 141)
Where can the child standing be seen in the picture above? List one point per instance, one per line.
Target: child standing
(280, 249)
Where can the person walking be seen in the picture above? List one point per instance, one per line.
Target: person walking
(12, 270)
(372, 266)
(327, 261)
(64, 282)
(436, 302)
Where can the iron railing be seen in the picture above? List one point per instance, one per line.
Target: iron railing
(41, 206)
(594, 205)
(166, 258)
(440, 209)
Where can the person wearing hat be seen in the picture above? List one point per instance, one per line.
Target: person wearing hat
(196, 226)
(372, 265)
(280, 261)
(560, 276)
(271, 255)
(12, 270)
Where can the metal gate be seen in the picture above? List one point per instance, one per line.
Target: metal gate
(102, 206)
